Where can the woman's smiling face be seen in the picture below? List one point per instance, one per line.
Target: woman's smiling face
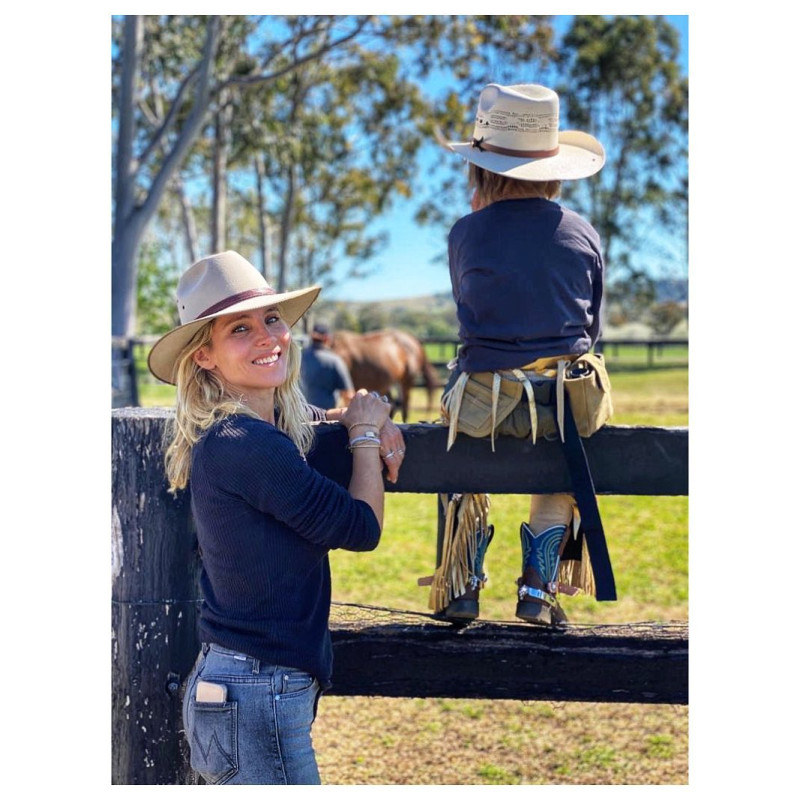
(249, 350)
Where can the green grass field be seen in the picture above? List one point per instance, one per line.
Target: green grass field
(482, 742)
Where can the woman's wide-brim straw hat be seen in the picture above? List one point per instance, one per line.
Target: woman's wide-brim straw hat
(220, 284)
(516, 135)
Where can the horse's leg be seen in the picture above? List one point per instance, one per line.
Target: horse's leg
(396, 400)
(405, 396)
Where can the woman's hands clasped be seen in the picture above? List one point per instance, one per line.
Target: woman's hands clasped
(367, 415)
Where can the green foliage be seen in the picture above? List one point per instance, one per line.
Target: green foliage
(423, 317)
(372, 318)
(630, 297)
(157, 276)
(344, 151)
(437, 323)
(619, 79)
(338, 138)
(664, 317)
(326, 110)
(621, 82)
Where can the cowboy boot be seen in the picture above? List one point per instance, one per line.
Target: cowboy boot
(465, 607)
(538, 586)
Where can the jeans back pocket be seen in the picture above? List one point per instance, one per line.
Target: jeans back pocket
(212, 740)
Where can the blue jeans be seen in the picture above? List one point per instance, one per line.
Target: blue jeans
(261, 733)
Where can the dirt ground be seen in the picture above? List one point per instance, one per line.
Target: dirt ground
(368, 740)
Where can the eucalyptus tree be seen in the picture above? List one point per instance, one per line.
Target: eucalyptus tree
(168, 77)
(621, 81)
(334, 142)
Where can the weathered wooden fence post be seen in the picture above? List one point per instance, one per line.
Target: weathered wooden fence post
(124, 382)
(153, 606)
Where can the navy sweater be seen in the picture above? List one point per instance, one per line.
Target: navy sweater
(265, 523)
(527, 278)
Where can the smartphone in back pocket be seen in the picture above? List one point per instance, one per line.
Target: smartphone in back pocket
(210, 692)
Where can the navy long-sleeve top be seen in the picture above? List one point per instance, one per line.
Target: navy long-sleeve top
(527, 278)
(265, 523)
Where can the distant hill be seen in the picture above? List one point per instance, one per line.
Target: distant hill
(667, 289)
(425, 302)
(434, 315)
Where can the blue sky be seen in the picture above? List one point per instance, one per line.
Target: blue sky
(406, 267)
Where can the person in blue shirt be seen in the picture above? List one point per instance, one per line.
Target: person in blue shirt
(325, 378)
(527, 279)
(265, 519)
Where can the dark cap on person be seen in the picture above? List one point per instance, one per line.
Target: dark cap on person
(320, 330)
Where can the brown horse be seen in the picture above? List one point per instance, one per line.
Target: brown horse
(381, 360)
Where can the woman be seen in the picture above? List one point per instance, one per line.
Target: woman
(265, 520)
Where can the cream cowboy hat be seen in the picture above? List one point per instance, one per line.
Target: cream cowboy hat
(212, 287)
(516, 134)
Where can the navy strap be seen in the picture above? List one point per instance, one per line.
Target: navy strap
(591, 524)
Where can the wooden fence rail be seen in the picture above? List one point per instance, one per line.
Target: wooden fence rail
(155, 593)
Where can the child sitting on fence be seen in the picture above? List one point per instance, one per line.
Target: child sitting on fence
(527, 279)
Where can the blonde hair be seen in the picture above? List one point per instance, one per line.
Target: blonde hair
(203, 399)
(492, 187)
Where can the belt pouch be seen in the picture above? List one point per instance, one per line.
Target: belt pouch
(589, 388)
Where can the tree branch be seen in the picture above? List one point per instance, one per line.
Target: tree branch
(148, 113)
(249, 80)
(131, 52)
(171, 114)
(186, 136)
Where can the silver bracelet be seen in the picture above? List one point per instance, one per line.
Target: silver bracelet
(362, 425)
(364, 444)
(370, 435)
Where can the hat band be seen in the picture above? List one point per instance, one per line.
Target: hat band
(233, 299)
(481, 145)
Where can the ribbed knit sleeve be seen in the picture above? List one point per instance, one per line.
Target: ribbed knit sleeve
(255, 461)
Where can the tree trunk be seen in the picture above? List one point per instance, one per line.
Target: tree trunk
(130, 218)
(286, 229)
(264, 223)
(187, 218)
(124, 248)
(127, 229)
(220, 176)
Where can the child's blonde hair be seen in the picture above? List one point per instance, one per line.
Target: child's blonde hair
(492, 187)
(202, 399)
